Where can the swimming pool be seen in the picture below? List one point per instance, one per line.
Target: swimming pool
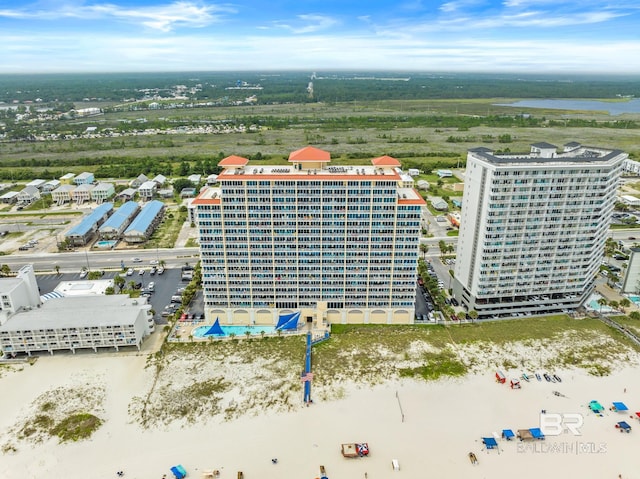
(592, 303)
(238, 331)
(106, 244)
(634, 299)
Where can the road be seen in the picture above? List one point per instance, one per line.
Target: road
(95, 260)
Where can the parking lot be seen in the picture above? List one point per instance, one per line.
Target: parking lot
(166, 285)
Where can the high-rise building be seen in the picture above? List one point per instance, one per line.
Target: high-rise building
(533, 228)
(335, 243)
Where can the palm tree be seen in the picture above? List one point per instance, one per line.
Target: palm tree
(423, 249)
(57, 268)
(614, 304)
(163, 263)
(602, 302)
(5, 270)
(247, 333)
(473, 314)
(625, 303)
(634, 315)
(443, 247)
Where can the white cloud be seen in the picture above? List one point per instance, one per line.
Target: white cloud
(309, 23)
(220, 52)
(161, 17)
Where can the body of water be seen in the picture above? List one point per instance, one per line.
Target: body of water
(613, 108)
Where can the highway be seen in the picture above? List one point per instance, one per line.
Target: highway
(175, 257)
(96, 260)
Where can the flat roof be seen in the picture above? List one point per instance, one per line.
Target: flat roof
(84, 288)
(327, 172)
(76, 312)
(583, 154)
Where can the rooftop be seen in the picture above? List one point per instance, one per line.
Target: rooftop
(324, 173)
(84, 288)
(77, 311)
(145, 217)
(90, 220)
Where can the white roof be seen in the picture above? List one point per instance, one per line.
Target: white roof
(84, 288)
(10, 194)
(78, 312)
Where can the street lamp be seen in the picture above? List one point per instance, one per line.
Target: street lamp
(87, 257)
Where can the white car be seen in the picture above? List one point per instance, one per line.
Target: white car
(83, 273)
(130, 272)
(160, 270)
(151, 286)
(136, 260)
(153, 262)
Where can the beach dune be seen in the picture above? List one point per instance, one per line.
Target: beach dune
(428, 427)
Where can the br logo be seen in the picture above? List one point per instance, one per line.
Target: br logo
(554, 424)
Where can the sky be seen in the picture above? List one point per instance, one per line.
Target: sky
(529, 36)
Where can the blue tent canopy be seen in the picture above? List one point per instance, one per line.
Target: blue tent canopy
(624, 425)
(620, 406)
(595, 406)
(288, 321)
(508, 434)
(536, 433)
(179, 472)
(215, 329)
(490, 442)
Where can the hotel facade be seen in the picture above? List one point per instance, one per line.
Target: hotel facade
(338, 244)
(533, 228)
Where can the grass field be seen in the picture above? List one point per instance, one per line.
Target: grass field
(308, 125)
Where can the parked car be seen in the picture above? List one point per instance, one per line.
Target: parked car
(141, 272)
(151, 286)
(130, 272)
(83, 273)
(160, 270)
(153, 270)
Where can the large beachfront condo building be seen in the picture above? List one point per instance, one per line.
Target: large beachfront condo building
(335, 243)
(533, 228)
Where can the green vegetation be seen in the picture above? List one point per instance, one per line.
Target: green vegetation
(76, 427)
(435, 366)
(166, 234)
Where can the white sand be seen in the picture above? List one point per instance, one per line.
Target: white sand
(443, 421)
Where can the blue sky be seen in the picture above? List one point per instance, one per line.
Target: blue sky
(534, 36)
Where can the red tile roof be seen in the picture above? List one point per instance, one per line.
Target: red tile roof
(310, 153)
(233, 160)
(385, 161)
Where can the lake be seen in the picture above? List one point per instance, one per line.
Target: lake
(613, 108)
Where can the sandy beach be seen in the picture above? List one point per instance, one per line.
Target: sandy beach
(443, 421)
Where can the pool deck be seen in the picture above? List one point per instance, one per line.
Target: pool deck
(611, 295)
(183, 330)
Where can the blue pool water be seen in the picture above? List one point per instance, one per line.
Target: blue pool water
(106, 244)
(634, 299)
(239, 331)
